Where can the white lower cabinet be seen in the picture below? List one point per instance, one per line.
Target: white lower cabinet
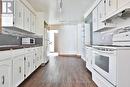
(39, 57)
(28, 65)
(5, 73)
(18, 70)
(17, 65)
(89, 58)
(29, 61)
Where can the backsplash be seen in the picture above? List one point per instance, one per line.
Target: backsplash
(39, 41)
(11, 36)
(6, 39)
(9, 40)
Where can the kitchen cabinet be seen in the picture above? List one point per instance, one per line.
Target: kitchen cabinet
(122, 3)
(111, 6)
(101, 14)
(18, 70)
(32, 22)
(29, 62)
(18, 66)
(89, 58)
(5, 73)
(95, 19)
(26, 19)
(18, 14)
(21, 19)
(39, 58)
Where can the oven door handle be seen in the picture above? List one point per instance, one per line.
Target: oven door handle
(103, 52)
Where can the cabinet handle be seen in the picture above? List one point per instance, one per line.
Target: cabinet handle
(109, 2)
(20, 70)
(104, 1)
(3, 80)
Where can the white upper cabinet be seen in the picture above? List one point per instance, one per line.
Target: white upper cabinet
(26, 19)
(18, 14)
(95, 19)
(121, 3)
(32, 22)
(111, 7)
(101, 13)
(22, 18)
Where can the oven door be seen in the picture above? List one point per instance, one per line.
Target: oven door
(104, 63)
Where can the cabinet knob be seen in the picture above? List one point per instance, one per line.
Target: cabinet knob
(3, 80)
(20, 70)
(109, 2)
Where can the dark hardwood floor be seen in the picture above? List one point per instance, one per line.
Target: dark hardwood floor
(61, 72)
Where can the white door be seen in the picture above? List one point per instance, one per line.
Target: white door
(18, 70)
(5, 74)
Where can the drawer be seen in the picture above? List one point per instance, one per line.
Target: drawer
(100, 81)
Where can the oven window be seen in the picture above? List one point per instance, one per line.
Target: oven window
(102, 62)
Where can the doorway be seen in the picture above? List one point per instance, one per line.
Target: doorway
(53, 41)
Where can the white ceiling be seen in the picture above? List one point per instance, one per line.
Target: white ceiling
(72, 11)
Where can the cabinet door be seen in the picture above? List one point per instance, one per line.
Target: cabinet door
(29, 67)
(5, 74)
(111, 6)
(95, 19)
(32, 22)
(18, 70)
(38, 56)
(101, 14)
(121, 3)
(26, 19)
(18, 14)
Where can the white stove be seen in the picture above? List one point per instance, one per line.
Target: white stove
(110, 62)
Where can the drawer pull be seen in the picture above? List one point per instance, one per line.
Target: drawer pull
(20, 70)
(3, 80)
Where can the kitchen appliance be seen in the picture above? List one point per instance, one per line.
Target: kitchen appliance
(28, 40)
(104, 63)
(110, 61)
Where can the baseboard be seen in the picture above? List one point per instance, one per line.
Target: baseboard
(70, 55)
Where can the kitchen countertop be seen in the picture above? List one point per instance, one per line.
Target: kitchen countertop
(12, 47)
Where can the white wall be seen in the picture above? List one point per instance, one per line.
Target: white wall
(67, 42)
